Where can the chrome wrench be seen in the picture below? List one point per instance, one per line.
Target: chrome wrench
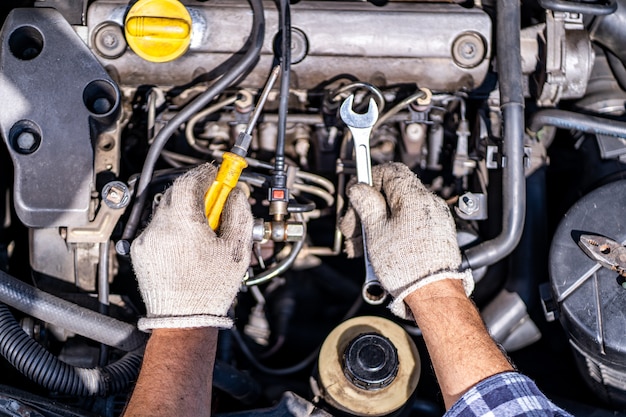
(360, 125)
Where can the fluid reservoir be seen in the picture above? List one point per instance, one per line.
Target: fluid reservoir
(368, 366)
(590, 299)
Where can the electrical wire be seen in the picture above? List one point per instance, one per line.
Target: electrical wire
(243, 65)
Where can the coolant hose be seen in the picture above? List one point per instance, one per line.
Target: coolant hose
(69, 316)
(508, 23)
(34, 361)
(564, 119)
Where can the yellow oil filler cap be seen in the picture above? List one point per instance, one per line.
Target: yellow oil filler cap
(158, 30)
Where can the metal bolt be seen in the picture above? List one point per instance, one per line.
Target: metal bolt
(25, 137)
(122, 247)
(109, 41)
(116, 195)
(468, 203)
(26, 140)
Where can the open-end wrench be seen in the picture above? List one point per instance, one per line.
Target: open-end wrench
(360, 125)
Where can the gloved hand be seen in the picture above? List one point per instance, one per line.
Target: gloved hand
(411, 236)
(188, 275)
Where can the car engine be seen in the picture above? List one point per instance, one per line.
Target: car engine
(513, 113)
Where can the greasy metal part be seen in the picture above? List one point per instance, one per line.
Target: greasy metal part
(463, 165)
(568, 60)
(339, 390)
(605, 94)
(282, 266)
(420, 46)
(509, 323)
(472, 206)
(610, 31)
(512, 105)
(41, 127)
(99, 230)
(277, 231)
(107, 151)
(75, 263)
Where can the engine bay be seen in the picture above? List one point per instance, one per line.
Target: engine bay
(512, 112)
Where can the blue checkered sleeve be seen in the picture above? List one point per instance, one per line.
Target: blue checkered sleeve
(505, 395)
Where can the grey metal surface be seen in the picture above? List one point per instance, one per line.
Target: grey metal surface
(49, 135)
(437, 45)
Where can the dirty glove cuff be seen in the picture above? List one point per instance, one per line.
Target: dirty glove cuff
(200, 320)
(401, 309)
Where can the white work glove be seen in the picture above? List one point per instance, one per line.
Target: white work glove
(188, 275)
(411, 235)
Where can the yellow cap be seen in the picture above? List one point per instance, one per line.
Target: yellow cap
(158, 30)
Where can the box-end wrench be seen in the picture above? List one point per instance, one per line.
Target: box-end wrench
(360, 125)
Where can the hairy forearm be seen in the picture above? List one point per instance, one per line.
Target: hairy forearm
(461, 350)
(176, 374)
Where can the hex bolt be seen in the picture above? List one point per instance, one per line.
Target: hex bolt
(25, 137)
(26, 141)
(468, 203)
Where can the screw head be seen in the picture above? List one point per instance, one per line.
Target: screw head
(109, 40)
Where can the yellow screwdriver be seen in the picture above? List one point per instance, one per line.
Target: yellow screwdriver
(234, 162)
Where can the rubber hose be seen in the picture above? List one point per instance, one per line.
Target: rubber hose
(594, 8)
(508, 22)
(69, 316)
(39, 365)
(563, 119)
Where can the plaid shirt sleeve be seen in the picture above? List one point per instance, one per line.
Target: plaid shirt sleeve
(509, 394)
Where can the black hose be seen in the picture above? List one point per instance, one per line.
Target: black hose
(248, 60)
(564, 119)
(591, 8)
(237, 384)
(67, 315)
(617, 68)
(35, 362)
(279, 178)
(508, 20)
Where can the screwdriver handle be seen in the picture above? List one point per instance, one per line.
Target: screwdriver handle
(226, 179)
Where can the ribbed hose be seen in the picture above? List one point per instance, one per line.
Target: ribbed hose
(69, 316)
(35, 362)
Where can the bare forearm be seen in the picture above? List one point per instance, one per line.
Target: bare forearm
(176, 374)
(462, 351)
